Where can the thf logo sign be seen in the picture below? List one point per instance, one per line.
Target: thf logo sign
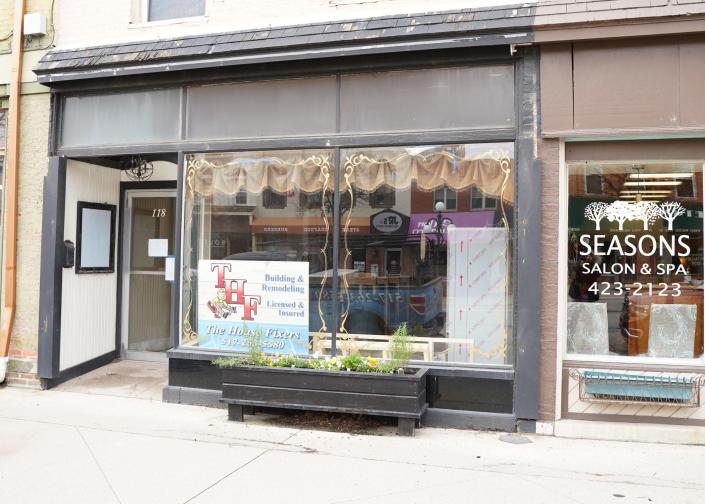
(235, 291)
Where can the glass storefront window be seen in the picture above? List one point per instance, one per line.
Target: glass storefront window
(426, 259)
(257, 238)
(414, 250)
(635, 260)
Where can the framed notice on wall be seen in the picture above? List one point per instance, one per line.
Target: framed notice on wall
(260, 303)
(95, 238)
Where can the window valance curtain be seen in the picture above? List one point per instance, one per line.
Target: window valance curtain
(364, 171)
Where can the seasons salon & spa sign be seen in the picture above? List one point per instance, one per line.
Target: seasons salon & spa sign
(653, 252)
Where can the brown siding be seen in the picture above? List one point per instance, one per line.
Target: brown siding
(637, 150)
(556, 87)
(692, 79)
(548, 154)
(643, 84)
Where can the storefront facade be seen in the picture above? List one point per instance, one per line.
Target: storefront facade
(321, 201)
(627, 119)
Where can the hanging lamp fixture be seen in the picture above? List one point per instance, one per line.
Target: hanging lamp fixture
(139, 169)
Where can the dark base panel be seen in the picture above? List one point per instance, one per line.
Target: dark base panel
(474, 420)
(192, 396)
(80, 369)
(527, 426)
(192, 373)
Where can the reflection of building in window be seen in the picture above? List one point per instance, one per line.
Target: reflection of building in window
(448, 196)
(241, 197)
(161, 10)
(686, 188)
(384, 197)
(479, 201)
(593, 183)
(271, 199)
(309, 201)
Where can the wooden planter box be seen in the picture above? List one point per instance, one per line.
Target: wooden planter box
(394, 395)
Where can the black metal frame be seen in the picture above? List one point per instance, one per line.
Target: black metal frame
(86, 205)
(524, 370)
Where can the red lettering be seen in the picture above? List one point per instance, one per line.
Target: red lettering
(237, 287)
(251, 303)
(221, 268)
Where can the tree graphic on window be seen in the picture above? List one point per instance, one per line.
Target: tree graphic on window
(596, 211)
(647, 212)
(620, 212)
(669, 210)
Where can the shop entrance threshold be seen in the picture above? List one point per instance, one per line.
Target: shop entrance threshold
(123, 378)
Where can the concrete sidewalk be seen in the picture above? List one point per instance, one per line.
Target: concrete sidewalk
(71, 447)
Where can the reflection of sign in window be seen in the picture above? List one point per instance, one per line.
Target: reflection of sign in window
(390, 222)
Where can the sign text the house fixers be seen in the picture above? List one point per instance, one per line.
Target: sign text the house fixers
(240, 301)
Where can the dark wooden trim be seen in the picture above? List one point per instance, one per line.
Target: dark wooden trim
(527, 232)
(381, 394)
(51, 269)
(78, 370)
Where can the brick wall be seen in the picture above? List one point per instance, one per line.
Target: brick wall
(548, 154)
(34, 131)
(34, 134)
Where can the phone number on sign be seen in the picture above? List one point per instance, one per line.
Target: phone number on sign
(635, 289)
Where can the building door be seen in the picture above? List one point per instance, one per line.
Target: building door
(147, 286)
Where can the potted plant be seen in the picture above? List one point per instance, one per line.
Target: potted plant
(347, 384)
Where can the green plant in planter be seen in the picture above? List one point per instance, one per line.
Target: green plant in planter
(399, 350)
(254, 342)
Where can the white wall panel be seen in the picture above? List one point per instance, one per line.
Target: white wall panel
(88, 301)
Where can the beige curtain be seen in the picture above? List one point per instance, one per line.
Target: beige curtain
(364, 171)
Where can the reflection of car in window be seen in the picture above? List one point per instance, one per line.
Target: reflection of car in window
(377, 304)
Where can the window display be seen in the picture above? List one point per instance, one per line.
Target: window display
(442, 267)
(635, 260)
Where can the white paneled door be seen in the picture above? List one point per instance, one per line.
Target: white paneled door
(147, 283)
